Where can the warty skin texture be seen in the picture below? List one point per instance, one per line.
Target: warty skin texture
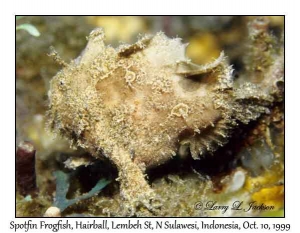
(141, 104)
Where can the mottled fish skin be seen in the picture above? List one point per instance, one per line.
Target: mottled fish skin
(141, 104)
